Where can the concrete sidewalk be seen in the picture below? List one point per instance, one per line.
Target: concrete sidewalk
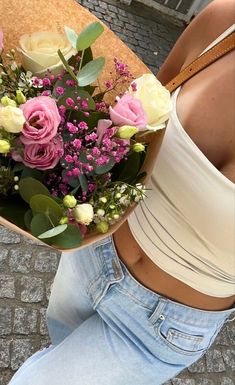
(27, 269)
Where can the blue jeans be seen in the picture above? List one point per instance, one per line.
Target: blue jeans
(108, 329)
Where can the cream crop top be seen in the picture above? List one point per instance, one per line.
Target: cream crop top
(186, 224)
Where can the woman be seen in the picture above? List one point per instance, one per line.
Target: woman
(143, 305)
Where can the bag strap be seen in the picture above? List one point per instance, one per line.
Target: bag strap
(220, 49)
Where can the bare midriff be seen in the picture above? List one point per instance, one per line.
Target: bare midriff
(154, 278)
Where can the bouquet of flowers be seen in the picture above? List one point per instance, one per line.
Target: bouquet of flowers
(70, 162)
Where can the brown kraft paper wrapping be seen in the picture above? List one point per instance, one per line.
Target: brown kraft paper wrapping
(18, 17)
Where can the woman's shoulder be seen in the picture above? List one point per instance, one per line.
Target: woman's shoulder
(203, 30)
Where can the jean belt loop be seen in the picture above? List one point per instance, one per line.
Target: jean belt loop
(158, 312)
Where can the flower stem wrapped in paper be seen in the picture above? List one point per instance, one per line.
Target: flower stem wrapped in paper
(73, 160)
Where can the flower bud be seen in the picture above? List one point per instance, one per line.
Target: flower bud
(4, 146)
(126, 132)
(83, 213)
(16, 178)
(100, 212)
(6, 101)
(12, 119)
(64, 220)
(102, 227)
(138, 147)
(116, 216)
(103, 199)
(69, 201)
(118, 195)
(20, 98)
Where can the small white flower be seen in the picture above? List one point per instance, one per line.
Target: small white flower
(84, 213)
(100, 212)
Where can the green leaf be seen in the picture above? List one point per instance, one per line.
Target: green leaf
(90, 72)
(131, 167)
(87, 56)
(43, 204)
(72, 36)
(53, 232)
(13, 209)
(73, 93)
(83, 182)
(99, 170)
(89, 35)
(66, 65)
(69, 239)
(28, 216)
(39, 224)
(28, 187)
(31, 172)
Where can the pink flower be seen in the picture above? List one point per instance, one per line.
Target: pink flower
(103, 125)
(42, 120)
(41, 156)
(128, 111)
(1, 40)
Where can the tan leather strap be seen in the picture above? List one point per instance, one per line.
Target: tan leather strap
(224, 46)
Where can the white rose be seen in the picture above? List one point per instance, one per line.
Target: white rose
(40, 51)
(155, 100)
(83, 213)
(12, 119)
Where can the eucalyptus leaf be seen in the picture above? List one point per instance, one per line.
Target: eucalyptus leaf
(46, 205)
(83, 182)
(74, 93)
(28, 216)
(69, 239)
(66, 65)
(28, 187)
(39, 224)
(13, 209)
(89, 35)
(99, 170)
(90, 72)
(72, 36)
(130, 167)
(53, 232)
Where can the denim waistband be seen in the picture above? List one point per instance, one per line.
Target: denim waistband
(160, 305)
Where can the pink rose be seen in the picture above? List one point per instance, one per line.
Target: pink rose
(41, 156)
(1, 41)
(42, 120)
(128, 111)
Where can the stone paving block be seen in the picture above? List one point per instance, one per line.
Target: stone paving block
(183, 381)
(5, 376)
(204, 381)
(46, 262)
(7, 286)
(198, 367)
(49, 284)
(25, 320)
(32, 289)
(43, 325)
(21, 350)
(223, 338)
(227, 381)
(5, 320)
(214, 361)
(20, 261)
(3, 258)
(230, 327)
(8, 236)
(229, 357)
(4, 353)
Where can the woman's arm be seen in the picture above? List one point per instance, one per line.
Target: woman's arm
(205, 28)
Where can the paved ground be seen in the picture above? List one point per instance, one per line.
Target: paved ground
(27, 269)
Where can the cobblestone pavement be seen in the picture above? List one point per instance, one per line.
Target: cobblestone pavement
(27, 268)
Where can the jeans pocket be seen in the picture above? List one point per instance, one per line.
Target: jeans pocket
(181, 338)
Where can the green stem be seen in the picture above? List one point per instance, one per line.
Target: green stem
(81, 60)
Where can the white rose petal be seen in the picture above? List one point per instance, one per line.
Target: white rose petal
(40, 51)
(12, 119)
(84, 213)
(155, 99)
